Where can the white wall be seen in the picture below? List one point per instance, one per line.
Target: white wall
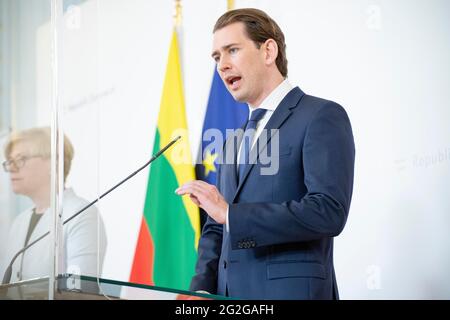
(385, 61)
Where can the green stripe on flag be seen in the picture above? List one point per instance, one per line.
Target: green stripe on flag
(170, 227)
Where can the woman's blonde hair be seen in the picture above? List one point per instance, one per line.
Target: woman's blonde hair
(39, 145)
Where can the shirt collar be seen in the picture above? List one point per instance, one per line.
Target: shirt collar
(272, 101)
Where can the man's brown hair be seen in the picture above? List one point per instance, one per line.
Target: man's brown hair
(259, 27)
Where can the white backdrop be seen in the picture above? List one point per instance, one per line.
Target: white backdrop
(385, 61)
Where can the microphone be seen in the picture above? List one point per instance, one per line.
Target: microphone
(8, 272)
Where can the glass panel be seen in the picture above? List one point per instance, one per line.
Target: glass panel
(81, 288)
(84, 235)
(25, 109)
(113, 73)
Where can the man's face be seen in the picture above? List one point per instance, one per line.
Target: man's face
(239, 62)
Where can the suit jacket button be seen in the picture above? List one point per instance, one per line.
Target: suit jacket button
(224, 264)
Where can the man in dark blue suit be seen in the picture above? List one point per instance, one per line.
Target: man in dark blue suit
(270, 236)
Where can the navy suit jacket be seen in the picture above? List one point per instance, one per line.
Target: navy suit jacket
(280, 244)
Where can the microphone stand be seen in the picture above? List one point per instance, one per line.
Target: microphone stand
(8, 272)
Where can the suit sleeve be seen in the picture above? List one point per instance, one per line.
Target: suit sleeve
(209, 248)
(328, 162)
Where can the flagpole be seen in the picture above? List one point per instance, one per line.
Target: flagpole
(230, 5)
(177, 19)
(177, 16)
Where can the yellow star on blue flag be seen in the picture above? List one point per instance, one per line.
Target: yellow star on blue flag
(208, 162)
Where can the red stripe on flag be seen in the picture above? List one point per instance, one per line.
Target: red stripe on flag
(142, 269)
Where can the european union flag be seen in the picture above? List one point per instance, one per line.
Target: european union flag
(222, 113)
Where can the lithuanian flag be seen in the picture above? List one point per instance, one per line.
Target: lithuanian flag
(166, 251)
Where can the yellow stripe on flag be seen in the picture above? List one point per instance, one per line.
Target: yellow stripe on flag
(172, 122)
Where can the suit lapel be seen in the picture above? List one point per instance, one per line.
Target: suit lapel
(280, 115)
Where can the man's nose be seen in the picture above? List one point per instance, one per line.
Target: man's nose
(223, 64)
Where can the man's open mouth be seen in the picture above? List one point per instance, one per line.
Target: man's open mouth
(233, 81)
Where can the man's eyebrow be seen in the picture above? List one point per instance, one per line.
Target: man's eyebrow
(216, 52)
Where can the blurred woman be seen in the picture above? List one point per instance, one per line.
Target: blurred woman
(27, 156)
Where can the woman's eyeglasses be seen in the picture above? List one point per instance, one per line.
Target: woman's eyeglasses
(17, 163)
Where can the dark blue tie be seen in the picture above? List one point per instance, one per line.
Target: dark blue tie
(249, 133)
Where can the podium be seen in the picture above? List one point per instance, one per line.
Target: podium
(71, 287)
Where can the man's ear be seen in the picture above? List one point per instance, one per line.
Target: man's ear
(270, 48)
